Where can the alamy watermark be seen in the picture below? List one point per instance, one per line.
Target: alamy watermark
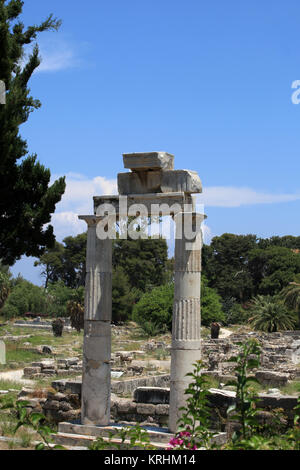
(2, 92)
(141, 221)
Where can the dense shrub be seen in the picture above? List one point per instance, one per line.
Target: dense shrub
(57, 327)
(58, 296)
(211, 305)
(153, 312)
(24, 297)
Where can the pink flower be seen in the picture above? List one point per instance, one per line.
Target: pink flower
(184, 434)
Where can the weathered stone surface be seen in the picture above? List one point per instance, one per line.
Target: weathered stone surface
(162, 410)
(126, 406)
(143, 182)
(186, 345)
(145, 409)
(29, 371)
(148, 160)
(271, 378)
(51, 405)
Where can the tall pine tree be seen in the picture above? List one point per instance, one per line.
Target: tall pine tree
(26, 199)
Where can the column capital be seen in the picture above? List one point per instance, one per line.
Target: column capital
(91, 220)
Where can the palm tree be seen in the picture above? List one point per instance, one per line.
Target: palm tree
(270, 315)
(291, 296)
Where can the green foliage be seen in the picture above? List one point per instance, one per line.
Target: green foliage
(4, 288)
(153, 312)
(75, 309)
(235, 313)
(243, 266)
(134, 438)
(194, 421)
(270, 315)
(272, 268)
(143, 261)
(58, 296)
(24, 297)
(244, 411)
(291, 296)
(57, 327)
(36, 422)
(123, 296)
(211, 306)
(65, 262)
(225, 264)
(26, 199)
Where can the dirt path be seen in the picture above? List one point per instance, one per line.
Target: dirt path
(224, 333)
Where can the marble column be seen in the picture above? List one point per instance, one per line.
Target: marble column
(96, 378)
(186, 311)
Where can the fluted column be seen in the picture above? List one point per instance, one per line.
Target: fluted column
(186, 310)
(96, 377)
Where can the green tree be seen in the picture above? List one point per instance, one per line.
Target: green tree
(225, 264)
(4, 288)
(75, 309)
(270, 315)
(273, 268)
(52, 264)
(25, 297)
(153, 312)
(291, 296)
(211, 305)
(58, 296)
(26, 199)
(123, 296)
(65, 262)
(144, 261)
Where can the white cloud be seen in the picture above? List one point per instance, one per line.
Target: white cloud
(78, 200)
(56, 54)
(229, 196)
(207, 233)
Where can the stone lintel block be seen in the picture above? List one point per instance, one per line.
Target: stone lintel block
(144, 182)
(186, 181)
(155, 203)
(148, 161)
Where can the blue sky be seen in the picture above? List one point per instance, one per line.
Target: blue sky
(209, 82)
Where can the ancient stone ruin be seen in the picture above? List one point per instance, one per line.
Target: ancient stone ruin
(151, 188)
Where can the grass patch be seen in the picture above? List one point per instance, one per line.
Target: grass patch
(16, 353)
(293, 388)
(10, 384)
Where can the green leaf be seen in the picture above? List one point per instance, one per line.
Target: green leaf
(40, 446)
